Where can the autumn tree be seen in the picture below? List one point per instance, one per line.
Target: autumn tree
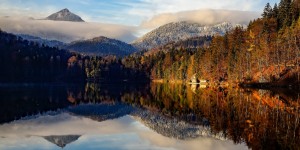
(284, 13)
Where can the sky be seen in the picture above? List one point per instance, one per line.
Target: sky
(126, 12)
(137, 16)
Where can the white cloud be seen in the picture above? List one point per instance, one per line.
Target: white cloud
(168, 6)
(204, 16)
(66, 31)
(169, 9)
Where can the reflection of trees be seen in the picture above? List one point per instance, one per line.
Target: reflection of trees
(19, 101)
(104, 93)
(91, 93)
(261, 119)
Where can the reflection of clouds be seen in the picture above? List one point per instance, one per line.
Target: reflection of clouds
(31, 142)
(62, 124)
(121, 133)
(202, 143)
(157, 139)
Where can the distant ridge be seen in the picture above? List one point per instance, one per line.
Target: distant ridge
(64, 15)
(41, 41)
(101, 46)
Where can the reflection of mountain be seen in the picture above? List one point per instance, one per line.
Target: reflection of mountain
(169, 127)
(101, 112)
(61, 140)
(172, 127)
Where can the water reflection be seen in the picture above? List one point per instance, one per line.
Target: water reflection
(29, 99)
(156, 116)
(75, 132)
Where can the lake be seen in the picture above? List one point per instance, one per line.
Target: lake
(146, 116)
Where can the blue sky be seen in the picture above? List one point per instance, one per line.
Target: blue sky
(125, 12)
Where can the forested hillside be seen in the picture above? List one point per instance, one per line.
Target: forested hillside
(266, 51)
(24, 61)
(101, 46)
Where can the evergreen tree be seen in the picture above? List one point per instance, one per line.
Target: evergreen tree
(275, 11)
(267, 11)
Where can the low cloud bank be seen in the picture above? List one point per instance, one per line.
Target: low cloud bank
(66, 31)
(205, 17)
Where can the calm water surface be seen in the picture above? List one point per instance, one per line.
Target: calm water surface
(155, 116)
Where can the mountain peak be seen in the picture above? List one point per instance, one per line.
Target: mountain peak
(101, 46)
(64, 15)
(65, 10)
(176, 31)
(99, 38)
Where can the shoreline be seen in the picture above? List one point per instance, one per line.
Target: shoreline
(235, 84)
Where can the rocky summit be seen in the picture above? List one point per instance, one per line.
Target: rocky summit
(65, 15)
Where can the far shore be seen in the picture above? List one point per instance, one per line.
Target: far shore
(235, 84)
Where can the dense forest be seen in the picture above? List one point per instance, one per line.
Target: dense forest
(267, 51)
(24, 61)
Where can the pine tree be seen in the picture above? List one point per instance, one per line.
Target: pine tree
(275, 11)
(267, 11)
